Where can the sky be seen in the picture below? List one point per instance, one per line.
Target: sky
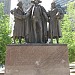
(46, 4)
(13, 3)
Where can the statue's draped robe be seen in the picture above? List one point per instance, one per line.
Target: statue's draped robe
(36, 23)
(19, 23)
(54, 23)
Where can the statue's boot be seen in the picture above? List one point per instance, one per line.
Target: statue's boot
(57, 39)
(27, 40)
(20, 40)
(14, 41)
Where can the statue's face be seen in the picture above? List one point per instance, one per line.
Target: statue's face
(19, 4)
(36, 1)
(53, 5)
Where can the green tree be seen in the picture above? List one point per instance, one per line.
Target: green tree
(68, 33)
(4, 33)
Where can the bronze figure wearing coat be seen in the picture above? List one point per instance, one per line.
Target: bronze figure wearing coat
(54, 25)
(19, 22)
(37, 23)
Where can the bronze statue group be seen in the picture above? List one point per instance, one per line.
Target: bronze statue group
(32, 24)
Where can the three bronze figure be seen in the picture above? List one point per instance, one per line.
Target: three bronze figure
(32, 24)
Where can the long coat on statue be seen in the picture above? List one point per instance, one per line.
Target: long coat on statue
(36, 24)
(54, 22)
(19, 23)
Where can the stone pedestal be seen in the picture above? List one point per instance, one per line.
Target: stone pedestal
(37, 59)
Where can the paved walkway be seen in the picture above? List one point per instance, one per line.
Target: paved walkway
(72, 68)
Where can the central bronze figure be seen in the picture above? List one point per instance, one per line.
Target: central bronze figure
(36, 23)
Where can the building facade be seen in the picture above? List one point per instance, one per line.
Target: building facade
(7, 4)
(62, 2)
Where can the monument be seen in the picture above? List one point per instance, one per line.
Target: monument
(35, 56)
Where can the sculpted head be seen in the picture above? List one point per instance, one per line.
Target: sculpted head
(20, 4)
(53, 5)
(36, 1)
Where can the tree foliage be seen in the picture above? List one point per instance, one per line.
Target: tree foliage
(4, 33)
(68, 30)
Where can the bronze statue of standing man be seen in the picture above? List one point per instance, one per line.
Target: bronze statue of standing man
(37, 19)
(54, 25)
(19, 22)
